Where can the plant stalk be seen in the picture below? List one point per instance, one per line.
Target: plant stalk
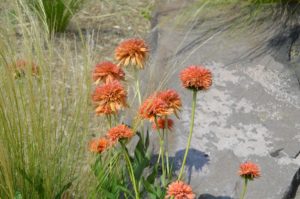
(190, 134)
(244, 188)
(161, 153)
(130, 170)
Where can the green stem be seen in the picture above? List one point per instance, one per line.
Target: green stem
(130, 170)
(137, 85)
(161, 152)
(165, 136)
(190, 134)
(244, 189)
(109, 120)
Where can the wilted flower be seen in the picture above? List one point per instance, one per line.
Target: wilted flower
(154, 107)
(119, 132)
(249, 170)
(180, 190)
(161, 124)
(109, 98)
(20, 68)
(132, 51)
(99, 145)
(172, 99)
(107, 72)
(196, 78)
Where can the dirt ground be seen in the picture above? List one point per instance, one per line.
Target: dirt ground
(109, 22)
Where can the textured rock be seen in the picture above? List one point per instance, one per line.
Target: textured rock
(251, 112)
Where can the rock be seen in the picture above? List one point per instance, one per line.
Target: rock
(252, 110)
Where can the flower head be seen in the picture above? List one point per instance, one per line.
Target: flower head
(132, 51)
(172, 99)
(107, 72)
(154, 107)
(21, 67)
(99, 145)
(196, 78)
(119, 132)
(249, 170)
(109, 98)
(180, 190)
(161, 124)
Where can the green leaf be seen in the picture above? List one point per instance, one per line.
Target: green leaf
(18, 195)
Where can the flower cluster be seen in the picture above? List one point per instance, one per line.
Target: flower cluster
(160, 104)
(163, 123)
(107, 72)
(249, 170)
(111, 138)
(99, 145)
(196, 78)
(180, 190)
(109, 98)
(132, 51)
(20, 67)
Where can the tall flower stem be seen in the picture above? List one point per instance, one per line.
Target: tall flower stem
(130, 171)
(137, 85)
(108, 117)
(244, 189)
(161, 153)
(190, 134)
(165, 136)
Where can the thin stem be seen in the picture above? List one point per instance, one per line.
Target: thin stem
(137, 85)
(138, 90)
(161, 152)
(165, 135)
(130, 170)
(190, 134)
(108, 117)
(244, 188)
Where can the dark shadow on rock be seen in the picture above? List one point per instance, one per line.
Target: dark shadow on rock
(196, 159)
(292, 189)
(208, 196)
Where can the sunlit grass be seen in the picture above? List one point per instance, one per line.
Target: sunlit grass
(45, 119)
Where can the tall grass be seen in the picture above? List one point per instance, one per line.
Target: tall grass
(44, 119)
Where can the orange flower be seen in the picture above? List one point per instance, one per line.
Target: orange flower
(107, 72)
(154, 107)
(134, 51)
(172, 99)
(109, 98)
(119, 132)
(20, 67)
(196, 78)
(180, 190)
(249, 170)
(161, 123)
(99, 145)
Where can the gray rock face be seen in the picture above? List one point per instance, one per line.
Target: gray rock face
(252, 111)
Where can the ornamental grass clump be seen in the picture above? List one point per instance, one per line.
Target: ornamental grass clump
(55, 14)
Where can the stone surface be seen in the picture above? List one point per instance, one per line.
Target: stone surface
(252, 111)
